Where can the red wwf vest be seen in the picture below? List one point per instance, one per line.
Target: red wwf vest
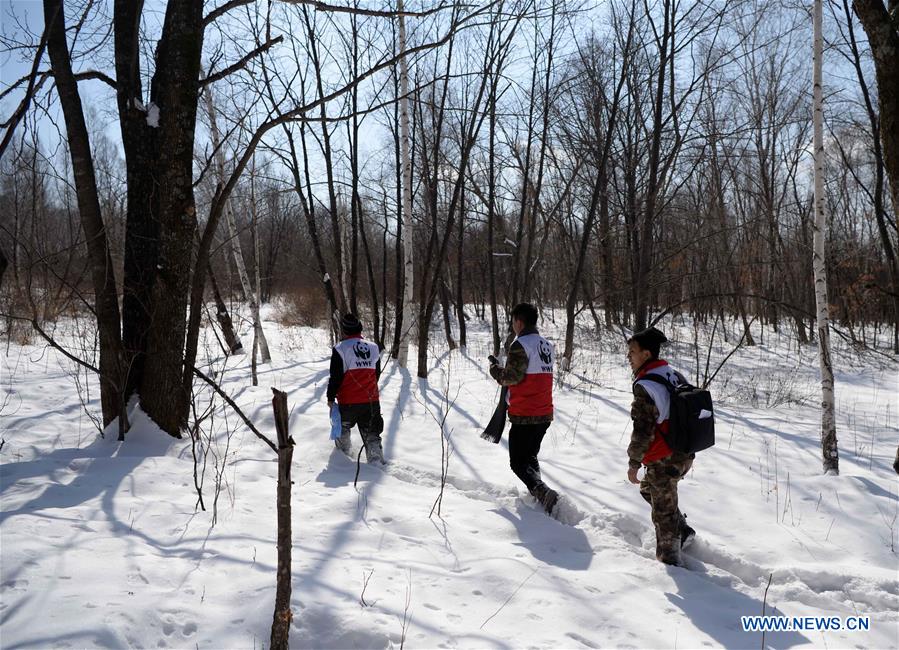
(360, 380)
(658, 448)
(534, 394)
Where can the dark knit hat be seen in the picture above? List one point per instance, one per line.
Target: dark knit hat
(349, 324)
(649, 339)
(526, 313)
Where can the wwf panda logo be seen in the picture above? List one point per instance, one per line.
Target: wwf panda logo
(545, 352)
(361, 351)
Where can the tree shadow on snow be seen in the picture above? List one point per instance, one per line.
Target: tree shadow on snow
(87, 484)
(99, 638)
(391, 428)
(436, 401)
(875, 490)
(715, 608)
(317, 394)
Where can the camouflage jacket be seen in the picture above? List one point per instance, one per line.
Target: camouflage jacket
(513, 373)
(644, 415)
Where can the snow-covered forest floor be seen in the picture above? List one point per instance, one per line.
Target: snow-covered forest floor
(103, 544)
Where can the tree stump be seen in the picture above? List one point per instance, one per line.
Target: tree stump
(283, 615)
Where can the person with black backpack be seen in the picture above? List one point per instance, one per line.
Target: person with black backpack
(671, 420)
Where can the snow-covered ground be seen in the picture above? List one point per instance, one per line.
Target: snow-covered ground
(103, 546)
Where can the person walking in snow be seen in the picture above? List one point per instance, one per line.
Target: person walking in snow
(664, 467)
(355, 369)
(528, 373)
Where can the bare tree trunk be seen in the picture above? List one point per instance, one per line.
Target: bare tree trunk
(718, 207)
(438, 243)
(355, 201)
(530, 260)
(882, 27)
(460, 294)
(382, 339)
(159, 145)
(3, 264)
(142, 228)
(665, 45)
(259, 334)
(164, 367)
(399, 171)
(233, 236)
(223, 317)
(260, 347)
(407, 240)
(889, 73)
(254, 377)
(308, 205)
(604, 133)
(828, 423)
(329, 165)
(283, 616)
(518, 261)
(112, 370)
(445, 308)
(609, 300)
(491, 215)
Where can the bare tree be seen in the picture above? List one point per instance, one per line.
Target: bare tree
(113, 365)
(828, 422)
(249, 291)
(602, 112)
(882, 27)
(408, 315)
(887, 234)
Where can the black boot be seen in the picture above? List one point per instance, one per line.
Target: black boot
(546, 496)
(686, 533)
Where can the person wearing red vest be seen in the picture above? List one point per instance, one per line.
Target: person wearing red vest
(664, 467)
(353, 383)
(529, 375)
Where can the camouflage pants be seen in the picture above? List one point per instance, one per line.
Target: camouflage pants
(659, 488)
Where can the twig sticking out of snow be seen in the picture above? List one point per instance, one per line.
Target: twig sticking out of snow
(365, 578)
(407, 618)
(508, 599)
(358, 465)
(764, 604)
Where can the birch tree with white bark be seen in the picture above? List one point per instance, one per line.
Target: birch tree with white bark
(405, 152)
(233, 238)
(822, 312)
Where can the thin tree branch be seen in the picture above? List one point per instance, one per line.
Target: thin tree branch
(41, 77)
(324, 6)
(234, 67)
(52, 342)
(96, 74)
(236, 408)
(19, 82)
(297, 113)
(32, 89)
(225, 8)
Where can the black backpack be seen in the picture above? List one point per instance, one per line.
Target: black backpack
(691, 418)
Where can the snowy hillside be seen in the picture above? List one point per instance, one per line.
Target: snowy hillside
(102, 545)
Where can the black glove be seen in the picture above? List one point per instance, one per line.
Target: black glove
(493, 360)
